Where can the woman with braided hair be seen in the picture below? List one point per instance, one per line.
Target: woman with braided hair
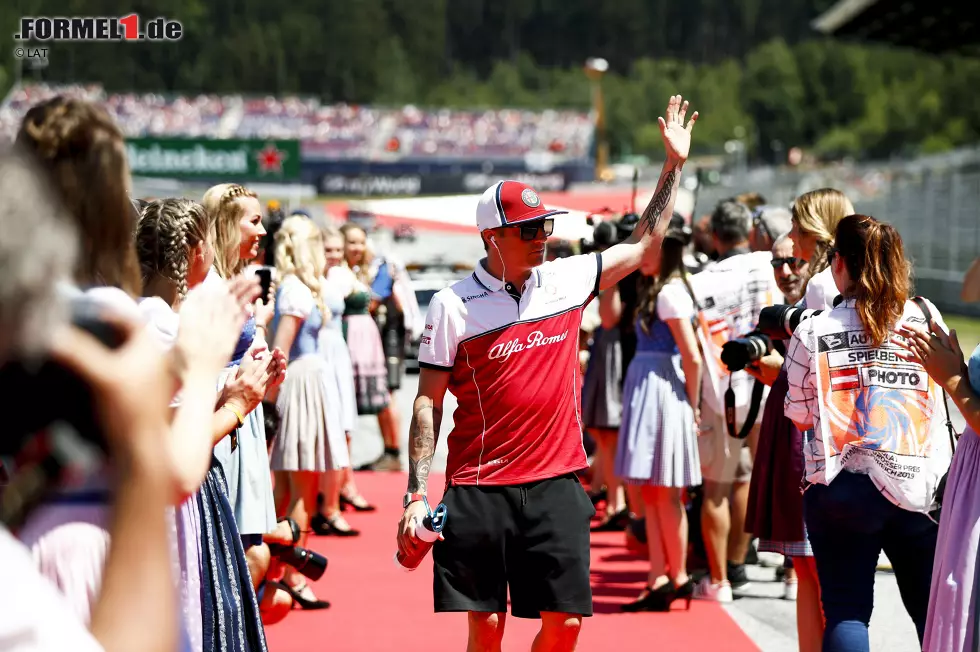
(82, 153)
(175, 244)
(311, 438)
(237, 217)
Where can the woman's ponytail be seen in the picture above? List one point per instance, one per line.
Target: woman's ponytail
(875, 258)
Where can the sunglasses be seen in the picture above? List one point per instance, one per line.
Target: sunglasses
(831, 253)
(794, 263)
(530, 231)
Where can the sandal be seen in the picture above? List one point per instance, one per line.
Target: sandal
(357, 501)
(296, 593)
(334, 525)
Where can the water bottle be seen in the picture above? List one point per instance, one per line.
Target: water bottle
(428, 531)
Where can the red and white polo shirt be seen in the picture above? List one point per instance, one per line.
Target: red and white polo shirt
(513, 368)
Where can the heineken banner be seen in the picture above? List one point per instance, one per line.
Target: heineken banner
(220, 160)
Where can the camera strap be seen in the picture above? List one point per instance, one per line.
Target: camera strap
(750, 418)
(953, 437)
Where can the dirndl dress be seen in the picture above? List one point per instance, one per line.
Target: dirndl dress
(775, 510)
(366, 354)
(68, 536)
(311, 429)
(246, 468)
(954, 601)
(230, 610)
(333, 348)
(602, 393)
(657, 443)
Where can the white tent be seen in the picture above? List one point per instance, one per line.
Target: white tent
(458, 212)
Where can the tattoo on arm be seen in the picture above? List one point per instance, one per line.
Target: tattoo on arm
(654, 212)
(422, 445)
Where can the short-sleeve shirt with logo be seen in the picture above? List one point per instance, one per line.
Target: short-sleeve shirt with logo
(513, 370)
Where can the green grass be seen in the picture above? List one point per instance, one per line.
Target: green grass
(967, 330)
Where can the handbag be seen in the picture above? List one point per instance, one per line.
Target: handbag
(953, 437)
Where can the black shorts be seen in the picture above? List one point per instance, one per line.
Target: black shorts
(533, 538)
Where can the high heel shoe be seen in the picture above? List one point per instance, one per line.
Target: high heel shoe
(357, 502)
(661, 598)
(295, 592)
(655, 599)
(686, 592)
(328, 526)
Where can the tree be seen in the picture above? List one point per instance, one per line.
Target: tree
(773, 95)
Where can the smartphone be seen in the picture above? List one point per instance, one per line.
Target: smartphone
(265, 279)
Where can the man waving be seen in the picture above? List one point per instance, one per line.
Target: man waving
(504, 341)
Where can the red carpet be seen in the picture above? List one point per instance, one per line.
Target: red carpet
(379, 607)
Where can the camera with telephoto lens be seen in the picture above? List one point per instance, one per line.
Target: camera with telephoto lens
(740, 352)
(779, 322)
(776, 323)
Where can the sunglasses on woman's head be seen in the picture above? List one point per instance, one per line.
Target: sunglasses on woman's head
(831, 253)
(530, 230)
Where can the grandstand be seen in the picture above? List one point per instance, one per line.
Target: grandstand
(337, 131)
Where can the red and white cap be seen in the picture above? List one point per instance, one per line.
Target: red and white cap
(507, 203)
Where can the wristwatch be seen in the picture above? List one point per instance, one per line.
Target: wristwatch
(411, 498)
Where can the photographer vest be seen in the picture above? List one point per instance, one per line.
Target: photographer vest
(729, 296)
(878, 414)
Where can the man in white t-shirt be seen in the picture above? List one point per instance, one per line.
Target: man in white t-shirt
(730, 293)
(504, 341)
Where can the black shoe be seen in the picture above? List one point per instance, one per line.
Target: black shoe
(328, 527)
(615, 523)
(737, 576)
(357, 503)
(661, 598)
(294, 593)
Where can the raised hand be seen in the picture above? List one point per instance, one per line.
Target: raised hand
(677, 135)
(940, 354)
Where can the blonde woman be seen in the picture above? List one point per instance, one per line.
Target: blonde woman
(237, 217)
(364, 341)
(335, 351)
(311, 439)
(175, 245)
(815, 217)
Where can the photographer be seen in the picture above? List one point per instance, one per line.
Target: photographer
(880, 445)
(729, 296)
(130, 388)
(775, 510)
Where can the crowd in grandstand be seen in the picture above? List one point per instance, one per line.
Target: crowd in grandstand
(334, 130)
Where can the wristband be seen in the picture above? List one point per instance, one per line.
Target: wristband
(238, 415)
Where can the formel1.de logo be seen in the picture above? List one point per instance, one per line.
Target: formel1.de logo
(98, 28)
